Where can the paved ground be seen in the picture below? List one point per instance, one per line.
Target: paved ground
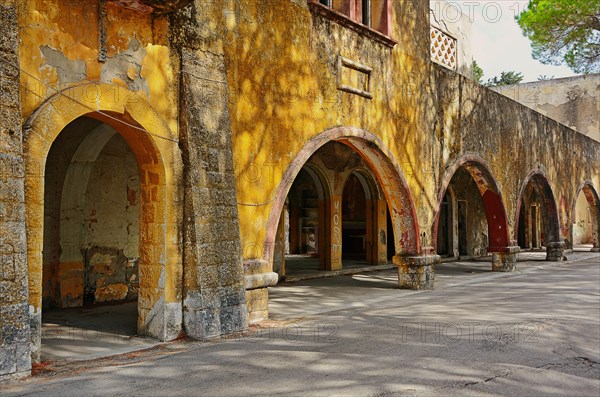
(532, 332)
(88, 333)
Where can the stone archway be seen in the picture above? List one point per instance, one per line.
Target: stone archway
(414, 271)
(384, 168)
(593, 202)
(540, 214)
(154, 147)
(504, 255)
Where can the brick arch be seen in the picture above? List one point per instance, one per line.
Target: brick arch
(593, 200)
(539, 181)
(142, 128)
(384, 168)
(493, 203)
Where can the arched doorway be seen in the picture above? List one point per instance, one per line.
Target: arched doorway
(479, 222)
(537, 223)
(101, 203)
(354, 218)
(91, 214)
(448, 226)
(302, 230)
(586, 219)
(334, 218)
(362, 153)
(364, 220)
(157, 255)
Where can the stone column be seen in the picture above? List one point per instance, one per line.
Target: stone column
(554, 251)
(334, 246)
(214, 298)
(380, 232)
(15, 343)
(505, 259)
(416, 272)
(214, 295)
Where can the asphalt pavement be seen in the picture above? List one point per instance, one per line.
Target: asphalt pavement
(533, 332)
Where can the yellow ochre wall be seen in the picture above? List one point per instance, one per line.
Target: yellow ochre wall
(62, 79)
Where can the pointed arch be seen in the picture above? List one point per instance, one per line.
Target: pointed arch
(538, 180)
(493, 202)
(593, 200)
(385, 169)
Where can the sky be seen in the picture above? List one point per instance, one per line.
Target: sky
(498, 43)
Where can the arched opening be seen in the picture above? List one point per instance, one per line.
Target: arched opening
(354, 218)
(301, 246)
(158, 247)
(448, 226)
(103, 212)
(473, 221)
(537, 222)
(91, 213)
(335, 216)
(586, 219)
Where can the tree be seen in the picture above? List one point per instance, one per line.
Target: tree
(477, 72)
(506, 78)
(564, 31)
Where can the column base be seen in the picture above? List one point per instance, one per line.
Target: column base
(505, 260)
(416, 272)
(258, 277)
(555, 251)
(257, 302)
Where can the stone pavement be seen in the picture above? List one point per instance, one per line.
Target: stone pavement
(87, 333)
(532, 332)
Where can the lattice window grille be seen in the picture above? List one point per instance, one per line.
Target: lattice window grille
(443, 48)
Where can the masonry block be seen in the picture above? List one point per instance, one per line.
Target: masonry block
(416, 272)
(555, 251)
(257, 301)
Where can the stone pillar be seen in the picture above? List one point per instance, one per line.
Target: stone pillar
(214, 297)
(554, 251)
(257, 279)
(505, 259)
(334, 246)
(380, 232)
(15, 343)
(416, 272)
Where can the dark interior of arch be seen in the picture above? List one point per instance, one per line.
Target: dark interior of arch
(537, 196)
(91, 217)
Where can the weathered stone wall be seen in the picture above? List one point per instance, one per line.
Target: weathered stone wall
(283, 73)
(515, 141)
(134, 90)
(61, 50)
(15, 357)
(221, 104)
(214, 300)
(572, 101)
